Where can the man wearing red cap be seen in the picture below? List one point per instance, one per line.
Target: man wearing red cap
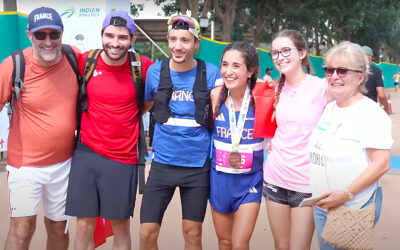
(41, 138)
(103, 176)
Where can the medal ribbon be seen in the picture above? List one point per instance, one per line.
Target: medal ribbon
(237, 129)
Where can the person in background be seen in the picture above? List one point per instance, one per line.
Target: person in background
(374, 85)
(268, 72)
(396, 79)
(237, 158)
(179, 88)
(350, 148)
(42, 132)
(299, 102)
(103, 177)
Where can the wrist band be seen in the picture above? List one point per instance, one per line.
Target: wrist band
(349, 194)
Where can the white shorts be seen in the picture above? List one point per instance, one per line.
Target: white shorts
(26, 185)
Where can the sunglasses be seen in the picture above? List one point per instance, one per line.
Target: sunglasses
(341, 71)
(181, 22)
(285, 52)
(40, 35)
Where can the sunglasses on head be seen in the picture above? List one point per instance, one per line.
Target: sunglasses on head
(341, 71)
(40, 35)
(181, 22)
(285, 52)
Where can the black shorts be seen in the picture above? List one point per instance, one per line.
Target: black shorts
(194, 188)
(396, 83)
(99, 186)
(283, 195)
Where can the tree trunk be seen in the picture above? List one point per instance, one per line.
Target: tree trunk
(194, 7)
(182, 6)
(226, 18)
(207, 6)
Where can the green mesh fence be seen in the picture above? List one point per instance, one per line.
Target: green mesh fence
(13, 26)
(211, 51)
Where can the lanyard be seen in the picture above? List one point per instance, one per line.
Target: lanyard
(237, 129)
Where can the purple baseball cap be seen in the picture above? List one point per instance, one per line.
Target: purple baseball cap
(44, 18)
(110, 20)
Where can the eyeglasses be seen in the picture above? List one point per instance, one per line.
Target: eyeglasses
(341, 71)
(40, 35)
(182, 22)
(285, 52)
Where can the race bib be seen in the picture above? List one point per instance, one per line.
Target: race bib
(222, 159)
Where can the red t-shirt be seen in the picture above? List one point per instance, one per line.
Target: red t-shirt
(111, 125)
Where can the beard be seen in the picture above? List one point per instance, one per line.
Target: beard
(116, 56)
(49, 55)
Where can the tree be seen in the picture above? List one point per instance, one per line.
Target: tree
(323, 22)
(135, 8)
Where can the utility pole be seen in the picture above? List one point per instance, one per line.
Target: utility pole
(9, 5)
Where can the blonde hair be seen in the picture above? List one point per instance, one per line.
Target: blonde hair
(350, 55)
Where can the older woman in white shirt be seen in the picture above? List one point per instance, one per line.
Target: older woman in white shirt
(350, 148)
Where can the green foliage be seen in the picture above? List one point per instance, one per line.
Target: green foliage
(145, 48)
(324, 22)
(135, 8)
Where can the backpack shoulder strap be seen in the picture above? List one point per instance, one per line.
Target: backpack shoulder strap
(17, 80)
(90, 65)
(216, 100)
(71, 57)
(136, 72)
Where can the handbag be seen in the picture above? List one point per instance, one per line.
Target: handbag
(347, 228)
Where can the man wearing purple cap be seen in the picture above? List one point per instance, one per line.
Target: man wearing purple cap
(41, 138)
(103, 176)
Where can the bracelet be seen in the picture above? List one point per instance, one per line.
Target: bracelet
(349, 194)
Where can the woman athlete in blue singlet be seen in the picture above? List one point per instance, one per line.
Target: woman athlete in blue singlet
(237, 159)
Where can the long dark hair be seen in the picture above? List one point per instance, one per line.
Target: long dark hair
(301, 44)
(250, 55)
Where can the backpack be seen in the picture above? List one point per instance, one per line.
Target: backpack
(136, 72)
(19, 73)
(201, 95)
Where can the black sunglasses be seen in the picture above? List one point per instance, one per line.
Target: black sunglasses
(341, 71)
(40, 35)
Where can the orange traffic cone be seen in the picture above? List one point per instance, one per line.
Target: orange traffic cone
(389, 104)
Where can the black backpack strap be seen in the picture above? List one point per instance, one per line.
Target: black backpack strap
(90, 65)
(17, 80)
(136, 72)
(163, 95)
(201, 95)
(71, 57)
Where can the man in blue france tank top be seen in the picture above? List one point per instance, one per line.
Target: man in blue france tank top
(179, 88)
